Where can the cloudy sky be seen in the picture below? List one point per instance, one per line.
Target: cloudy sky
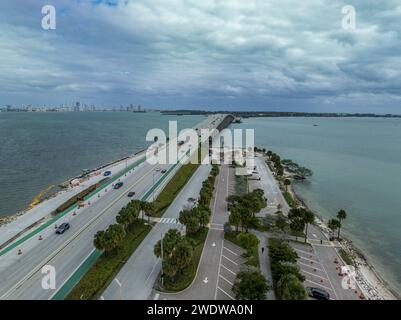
(209, 54)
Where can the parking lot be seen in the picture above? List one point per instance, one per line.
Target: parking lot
(314, 272)
(230, 264)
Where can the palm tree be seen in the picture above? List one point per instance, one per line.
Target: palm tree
(308, 217)
(341, 215)
(149, 209)
(235, 219)
(334, 224)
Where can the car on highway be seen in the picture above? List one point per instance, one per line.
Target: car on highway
(318, 293)
(131, 194)
(118, 185)
(107, 173)
(163, 171)
(62, 228)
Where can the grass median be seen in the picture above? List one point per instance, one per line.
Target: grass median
(108, 265)
(188, 274)
(173, 187)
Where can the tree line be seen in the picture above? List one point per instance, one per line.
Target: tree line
(109, 239)
(176, 250)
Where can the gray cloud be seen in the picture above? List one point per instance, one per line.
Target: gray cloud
(277, 54)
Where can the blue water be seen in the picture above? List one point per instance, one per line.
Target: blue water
(357, 166)
(42, 149)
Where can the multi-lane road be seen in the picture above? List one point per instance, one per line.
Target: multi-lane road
(21, 274)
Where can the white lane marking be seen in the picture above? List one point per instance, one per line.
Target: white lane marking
(228, 269)
(218, 274)
(314, 274)
(73, 272)
(225, 293)
(306, 252)
(310, 266)
(314, 261)
(118, 282)
(319, 285)
(231, 251)
(230, 260)
(205, 281)
(225, 279)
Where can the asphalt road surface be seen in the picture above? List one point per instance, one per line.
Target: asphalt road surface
(220, 260)
(136, 279)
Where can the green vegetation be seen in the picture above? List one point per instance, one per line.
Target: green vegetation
(181, 254)
(287, 279)
(299, 219)
(250, 285)
(173, 187)
(177, 280)
(109, 263)
(241, 185)
(244, 208)
(80, 196)
(346, 257)
(289, 199)
(247, 241)
(298, 172)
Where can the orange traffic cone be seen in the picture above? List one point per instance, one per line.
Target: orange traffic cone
(321, 280)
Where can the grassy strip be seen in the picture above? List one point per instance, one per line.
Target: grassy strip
(188, 274)
(173, 187)
(251, 255)
(108, 265)
(289, 199)
(346, 257)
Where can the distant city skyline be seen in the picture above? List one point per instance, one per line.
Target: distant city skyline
(257, 55)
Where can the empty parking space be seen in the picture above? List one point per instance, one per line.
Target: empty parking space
(230, 264)
(310, 267)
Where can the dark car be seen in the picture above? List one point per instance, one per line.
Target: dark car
(62, 228)
(163, 171)
(318, 293)
(131, 194)
(118, 185)
(107, 173)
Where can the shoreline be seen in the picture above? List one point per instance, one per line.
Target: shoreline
(63, 186)
(367, 277)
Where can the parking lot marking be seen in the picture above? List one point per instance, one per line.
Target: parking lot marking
(308, 253)
(319, 285)
(314, 261)
(226, 293)
(229, 259)
(231, 251)
(315, 275)
(310, 266)
(225, 279)
(218, 274)
(222, 265)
